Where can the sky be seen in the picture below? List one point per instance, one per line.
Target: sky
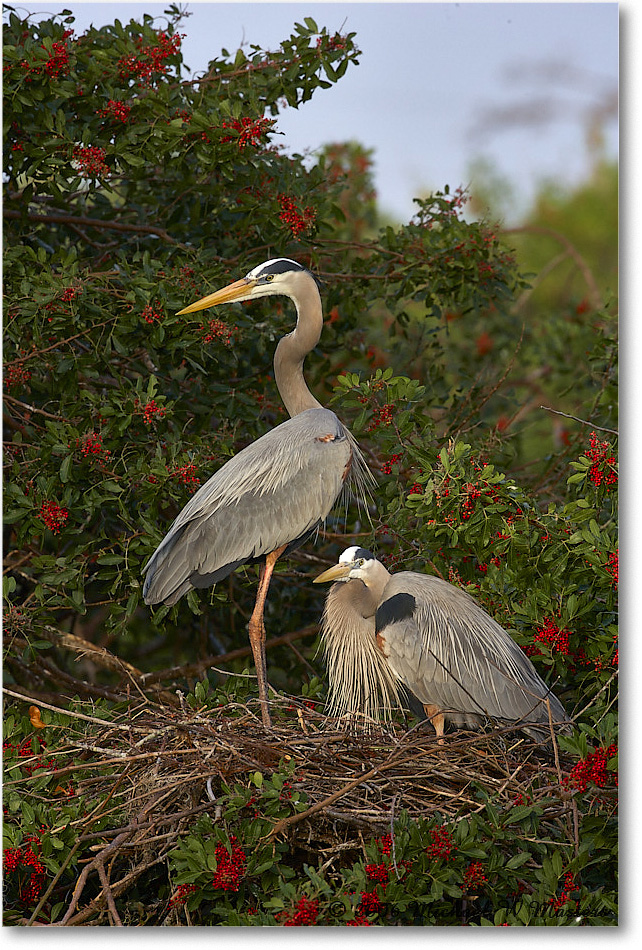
(438, 86)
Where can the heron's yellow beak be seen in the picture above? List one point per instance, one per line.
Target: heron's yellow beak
(238, 290)
(335, 573)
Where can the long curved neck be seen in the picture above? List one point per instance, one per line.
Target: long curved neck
(293, 349)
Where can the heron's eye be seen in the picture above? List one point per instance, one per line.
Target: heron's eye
(269, 278)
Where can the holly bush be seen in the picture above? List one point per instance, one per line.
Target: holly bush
(131, 190)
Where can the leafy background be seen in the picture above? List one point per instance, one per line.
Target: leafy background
(129, 192)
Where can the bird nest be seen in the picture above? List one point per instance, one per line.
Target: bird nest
(154, 768)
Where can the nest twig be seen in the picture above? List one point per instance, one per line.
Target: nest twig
(162, 765)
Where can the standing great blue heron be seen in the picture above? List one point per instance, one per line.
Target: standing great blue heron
(270, 497)
(385, 632)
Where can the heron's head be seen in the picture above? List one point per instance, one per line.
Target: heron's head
(278, 276)
(354, 564)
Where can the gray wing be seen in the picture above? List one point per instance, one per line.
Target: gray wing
(275, 492)
(452, 654)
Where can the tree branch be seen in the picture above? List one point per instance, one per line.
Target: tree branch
(72, 220)
(584, 422)
(54, 346)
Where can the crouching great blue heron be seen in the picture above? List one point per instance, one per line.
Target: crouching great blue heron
(384, 633)
(276, 492)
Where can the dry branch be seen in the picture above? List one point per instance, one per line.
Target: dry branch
(349, 781)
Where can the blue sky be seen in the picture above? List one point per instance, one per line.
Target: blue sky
(435, 84)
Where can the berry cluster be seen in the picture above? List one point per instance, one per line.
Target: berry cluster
(90, 162)
(63, 298)
(304, 914)
(386, 468)
(486, 273)
(26, 865)
(58, 57)
(150, 315)
(455, 578)
(474, 877)
(380, 873)
(230, 868)
(296, 220)
(53, 515)
(217, 330)
(593, 769)
(377, 873)
(181, 894)
(35, 760)
(385, 843)
(150, 60)
(69, 293)
(416, 488)
(198, 137)
(15, 619)
(57, 60)
(251, 131)
(252, 803)
(90, 445)
(186, 276)
(603, 467)
(115, 109)
(441, 844)
(550, 633)
(381, 416)
(15, 376)
(448, 206)
(443, 492)
(471, 494)
(285, 795)
(150, 411)
(368, 906)
(612, 567)
(330, 43)
(25, 751)
(186, 475)
(457, 199)
(565, 895)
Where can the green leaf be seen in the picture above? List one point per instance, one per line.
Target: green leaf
(9, 585)
(65, 469)
(518, 860)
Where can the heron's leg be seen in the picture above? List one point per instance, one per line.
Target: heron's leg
(256, 630)
(437, 720)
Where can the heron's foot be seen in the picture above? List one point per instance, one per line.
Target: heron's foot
(437, 720)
